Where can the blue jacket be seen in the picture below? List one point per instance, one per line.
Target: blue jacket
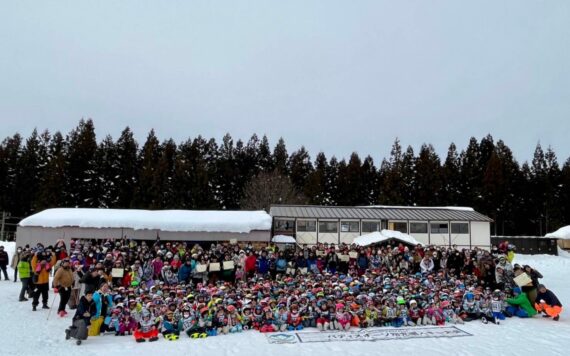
(185, 272)
(98, 300)
(263, 265)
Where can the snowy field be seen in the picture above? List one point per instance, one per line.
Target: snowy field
(23, 332)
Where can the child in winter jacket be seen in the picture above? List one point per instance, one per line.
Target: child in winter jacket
(281, 318)
(234, 320)
(342, 318)
(127, 325)
(324, 318)
(269, 323)
(294, 320)
(415, 313)
(146, 328)
(449, 313)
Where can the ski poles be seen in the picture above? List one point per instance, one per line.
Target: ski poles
(50, 309)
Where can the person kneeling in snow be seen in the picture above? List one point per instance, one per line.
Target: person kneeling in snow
(548, 303)
(519, 305)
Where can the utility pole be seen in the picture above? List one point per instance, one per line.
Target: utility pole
(2, 226)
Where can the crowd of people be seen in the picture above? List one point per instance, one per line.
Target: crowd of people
(153, 288)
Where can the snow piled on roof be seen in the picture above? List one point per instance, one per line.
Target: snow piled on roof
(164, 220)
(457, 208)
(563, 233)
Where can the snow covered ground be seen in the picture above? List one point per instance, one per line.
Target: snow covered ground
(23, 332)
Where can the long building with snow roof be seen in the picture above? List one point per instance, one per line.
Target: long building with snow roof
(308, 224)
(50, 225)
(443, 226)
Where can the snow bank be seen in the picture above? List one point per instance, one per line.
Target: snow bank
(9, 247)
(25, 332)
(164, 220)
(563, 233)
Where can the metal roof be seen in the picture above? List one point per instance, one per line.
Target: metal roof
(378, 213)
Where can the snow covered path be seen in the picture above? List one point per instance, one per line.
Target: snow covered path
(24, 332)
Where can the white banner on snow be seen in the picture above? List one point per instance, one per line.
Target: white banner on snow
(378, 334)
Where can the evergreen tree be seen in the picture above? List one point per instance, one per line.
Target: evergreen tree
(369, 181)
(332, 181)
(501, 176)
(265, 159)
(300, 167)
(107, 173)
(280, 157)
(397, 176)
(470, 175)
(53, 185)
(351, 190)
(127, 169)
(148, 195)
(428, 178)
(451, 177)
(227, 171)
(317, 189)
(391, 177)
(81, 166)
(564, 199)
(164, 176)
(10, 155)
(31, 171)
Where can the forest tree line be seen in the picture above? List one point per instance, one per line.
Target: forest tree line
(49, 170)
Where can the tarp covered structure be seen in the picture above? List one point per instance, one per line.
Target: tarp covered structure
(384, 236)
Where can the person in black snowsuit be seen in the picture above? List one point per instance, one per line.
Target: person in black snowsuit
(4, 262)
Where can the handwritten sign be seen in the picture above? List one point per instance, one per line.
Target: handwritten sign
(117, 272)
(214, 267)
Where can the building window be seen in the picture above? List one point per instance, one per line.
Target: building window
(370, 226)
(284, 225)
(399, 226)
(439, 228)
(349, 226)
(418, 228)
(459, 228)
(306, 225)
(328, 226)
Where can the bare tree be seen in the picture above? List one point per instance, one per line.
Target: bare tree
(268, 188)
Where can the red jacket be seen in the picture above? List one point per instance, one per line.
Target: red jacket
(250, 262)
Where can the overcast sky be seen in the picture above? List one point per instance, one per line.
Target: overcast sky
(337, 76)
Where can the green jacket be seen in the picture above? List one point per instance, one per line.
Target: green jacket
(24, 269)
(522, 301)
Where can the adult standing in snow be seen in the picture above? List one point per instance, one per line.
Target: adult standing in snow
(24, 268)
(4, 262)
(250, 264)
(62, 283)
(548, 303)
(42, 263)
(15, 261)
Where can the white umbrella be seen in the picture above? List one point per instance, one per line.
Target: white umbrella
(283, 239)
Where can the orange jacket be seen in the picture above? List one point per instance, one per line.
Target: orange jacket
(42, 271)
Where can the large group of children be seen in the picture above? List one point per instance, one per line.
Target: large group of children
(172, 289)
